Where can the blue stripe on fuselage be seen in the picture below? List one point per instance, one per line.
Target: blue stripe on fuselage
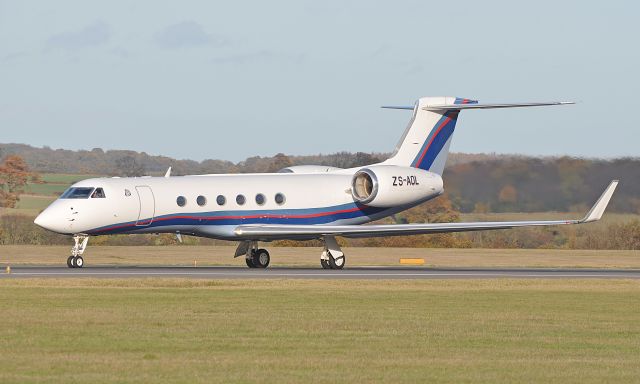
(284, 216)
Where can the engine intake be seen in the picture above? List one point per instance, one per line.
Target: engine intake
(364, 186)
(391, 185)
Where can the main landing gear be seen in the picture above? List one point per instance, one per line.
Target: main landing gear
(254, 257)
(80, 244)
(332, 256)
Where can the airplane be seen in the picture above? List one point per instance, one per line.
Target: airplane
(297, 203)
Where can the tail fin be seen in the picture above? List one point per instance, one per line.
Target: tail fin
(425, 142)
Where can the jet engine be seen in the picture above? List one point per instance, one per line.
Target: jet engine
(391, 185)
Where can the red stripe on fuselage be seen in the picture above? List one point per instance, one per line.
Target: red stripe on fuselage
(256, 216)
(262, 216)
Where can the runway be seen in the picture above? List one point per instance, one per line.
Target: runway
(314, 273)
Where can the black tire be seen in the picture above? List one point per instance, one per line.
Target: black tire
(338, 262)
(70, 262)
(78, 262)
(325, 264)
(261, 258)
(249, 261)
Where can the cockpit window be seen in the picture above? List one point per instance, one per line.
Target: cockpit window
(98, 194)
(77, 193)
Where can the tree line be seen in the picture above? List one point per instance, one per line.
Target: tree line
(475, 182)
(478, 184)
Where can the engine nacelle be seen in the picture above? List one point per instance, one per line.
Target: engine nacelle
(391, 185)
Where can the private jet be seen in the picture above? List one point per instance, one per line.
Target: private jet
(297, 203)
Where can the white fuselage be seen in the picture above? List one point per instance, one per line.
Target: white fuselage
(150, 204)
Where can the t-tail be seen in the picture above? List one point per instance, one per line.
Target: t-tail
(425, 143)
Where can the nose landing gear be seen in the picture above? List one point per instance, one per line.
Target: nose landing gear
(80, 244)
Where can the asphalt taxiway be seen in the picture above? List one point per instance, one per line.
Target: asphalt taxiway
(314, 273)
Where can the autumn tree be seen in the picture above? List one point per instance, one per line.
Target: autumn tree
(14, 174)
(508, 194)
(438, 210)
(279, 162)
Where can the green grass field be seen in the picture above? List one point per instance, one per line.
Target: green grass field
(53, 190)
(447, 331)
(64, 178)
(31, 202)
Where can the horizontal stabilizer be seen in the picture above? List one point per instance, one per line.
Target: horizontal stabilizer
(407, 107)
(452, 107)
(278, 231)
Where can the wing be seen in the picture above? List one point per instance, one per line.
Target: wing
(276, 231)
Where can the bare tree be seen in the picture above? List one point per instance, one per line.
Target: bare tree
(129, 166)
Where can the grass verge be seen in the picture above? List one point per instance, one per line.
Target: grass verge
(176, 330)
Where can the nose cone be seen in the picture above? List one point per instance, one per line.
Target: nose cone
(53, 219)
(45, 220)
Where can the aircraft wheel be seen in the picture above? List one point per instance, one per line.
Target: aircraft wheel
(337, 262)
(261, 258)
(325, 264)
(70, 262)
(249, 261)
(78, 261)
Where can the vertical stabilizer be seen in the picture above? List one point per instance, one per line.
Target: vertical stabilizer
(425, 143)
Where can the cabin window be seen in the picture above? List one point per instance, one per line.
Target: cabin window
(181, 201)
(240, 199)
(260, 199)
(221, 200)
(77, 193)
(201, 200)
(279, 198)
(98, 194)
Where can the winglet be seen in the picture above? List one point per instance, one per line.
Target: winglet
(168, 173)
(598, 208)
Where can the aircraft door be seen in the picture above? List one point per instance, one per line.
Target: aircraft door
(147, 205)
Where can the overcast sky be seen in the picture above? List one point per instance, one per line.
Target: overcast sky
(227, 80)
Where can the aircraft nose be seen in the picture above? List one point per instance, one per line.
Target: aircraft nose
(44, 220)
(53, 219)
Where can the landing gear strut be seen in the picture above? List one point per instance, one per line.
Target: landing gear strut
(332, 256)
(254, 257)
(80, 244)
